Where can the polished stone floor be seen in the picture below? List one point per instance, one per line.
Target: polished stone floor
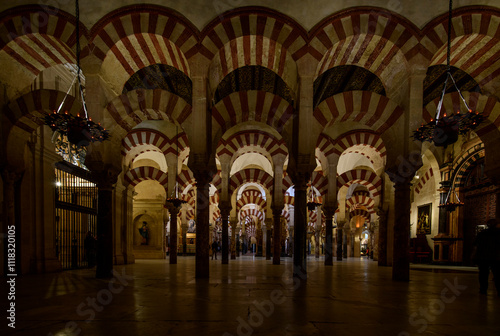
(252, 297)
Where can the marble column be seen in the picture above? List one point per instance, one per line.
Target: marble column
(353, 241)
(382, 237)
(105, 179)
(277, 235)
(344, 241)
(340, 236)
(401, 252)
(202, 268)
(224, 212)
(174, 211)
(233, 222)
(300, 228)
(329, 212)
(269, 223)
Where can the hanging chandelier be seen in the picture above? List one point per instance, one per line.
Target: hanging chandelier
(453, 202)
(444, 129)
(79, 130)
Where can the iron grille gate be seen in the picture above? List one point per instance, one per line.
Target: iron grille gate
(76, 215)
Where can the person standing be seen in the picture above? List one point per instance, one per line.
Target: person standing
(487, 255)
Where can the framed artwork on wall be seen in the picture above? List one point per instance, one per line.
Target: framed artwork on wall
(424, 219)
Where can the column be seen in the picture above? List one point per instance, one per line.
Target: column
(269, 223)
(174, 211)
(340, 236)
(224, 212)
(203, 179)
(258, 252)
(374, 230)
(234, 223)
(382, 237)
(300, 228)
(401, 254)
(353, 241)
(344, 240)
(317, 231)
(329, 212)
(277, 235)
(105, 179)
(184, 227)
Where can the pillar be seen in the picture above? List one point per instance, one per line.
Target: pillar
(203, 179)
(382, 237)
(329, 212)
(234, 223)
(224, 212)
(174, 211)
(105, 179)
(344, 241)
(340, 236)
(300, 228)
(277, 235)
(401, 254)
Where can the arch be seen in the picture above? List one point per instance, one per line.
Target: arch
(434, 34)
(426, 177)
(358, 137)
(251, 175)
(362, 213)
(260, 21)
(361, 197)
(363, 24)
(185, 179)
(363, 177)
(253, 50)
(464, 162)
(320, 182)
(251, 197)
(138, 20)
(130, 109)
(364, 107)
(140, 137)
(251, 212)
(244, 106)
(135, 176)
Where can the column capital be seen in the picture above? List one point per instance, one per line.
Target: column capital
(329, 211)
(11, 174)
(105, 178)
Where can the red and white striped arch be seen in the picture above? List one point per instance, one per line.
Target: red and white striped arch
(216, 215)
(287, 182)
(426, 177)
(150, 137)
(185, 178)
(37, 37)
(362, 213)
(361, 176)
(361, 197)
(286, 215)
(130, 109)
(253, 50)
(132, 22)
(372, 52)
(366, 26)
(138, 51)
(365, 107)
(137, 175)
(290, 200)
(251, 175)
(26, 111)
(474, 21)
(251, 197)
(244, 106)
(246, 22)
(251, 138)
(251, 212)
(214, 199)
(320, 182)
